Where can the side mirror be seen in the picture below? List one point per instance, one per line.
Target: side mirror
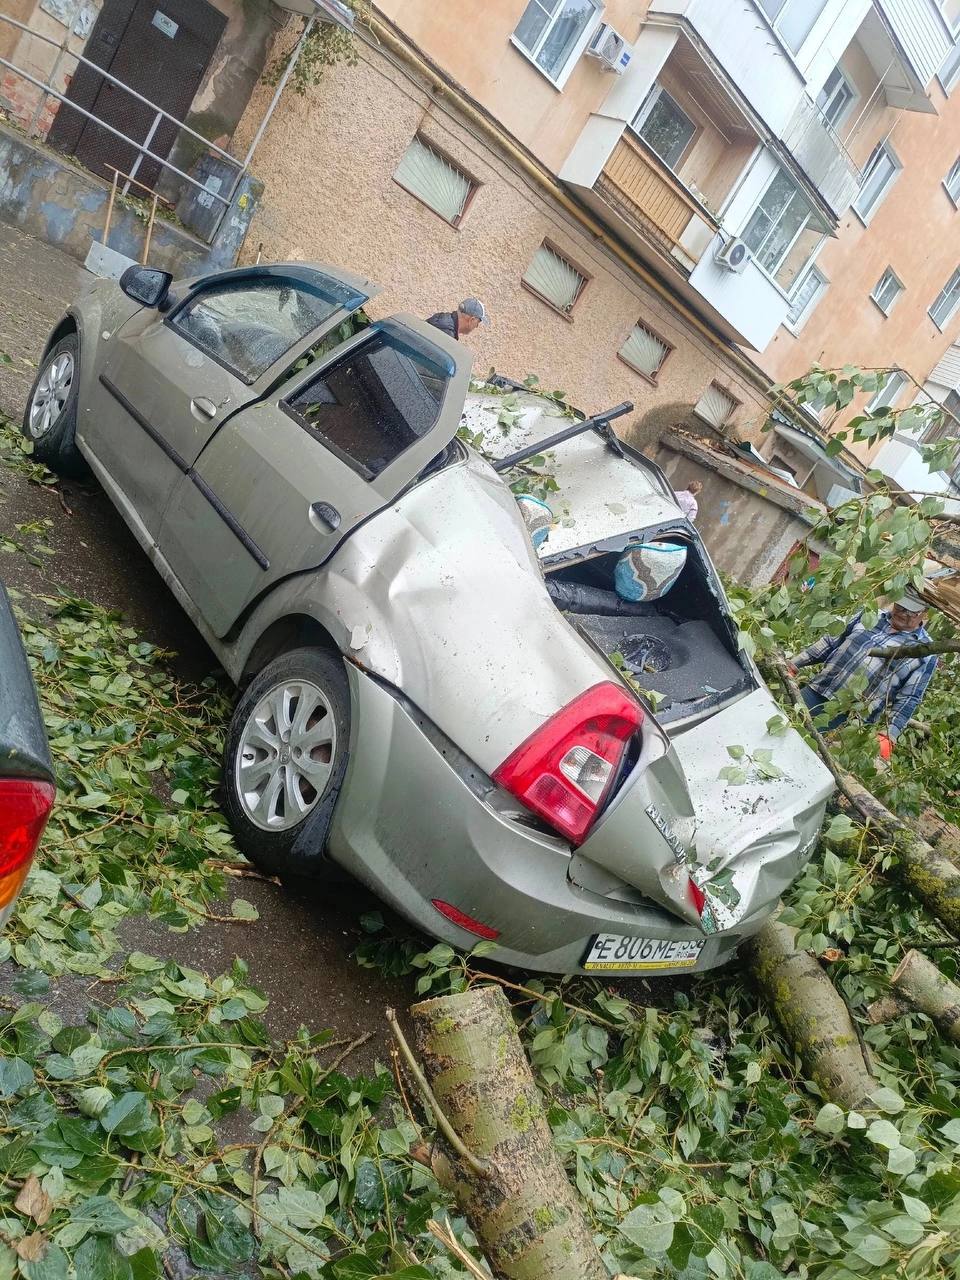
(146, 285)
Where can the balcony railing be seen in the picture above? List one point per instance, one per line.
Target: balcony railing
(646, 194)
(817, 149)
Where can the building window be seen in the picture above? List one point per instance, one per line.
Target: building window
(949, 73)
(805, 296)
(879, 176)
(664, 126)
(889, 392)
(951, 11)
(552, 278)
(645, 351)
(551, 32)
(836, 98)
(784, 231)
(716, 406)
(947, 301)
(887, 290)
(426, 174)
(952, 183)
(793, 19)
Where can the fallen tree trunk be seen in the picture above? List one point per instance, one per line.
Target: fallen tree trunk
(813, 1015)
(942, 835)
(919, 984)
(928, 873)
(504, 1170)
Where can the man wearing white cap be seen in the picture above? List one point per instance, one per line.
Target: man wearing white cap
(470, 313)
(894, 687)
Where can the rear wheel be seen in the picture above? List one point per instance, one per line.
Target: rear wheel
(50, 418)
(285, 758)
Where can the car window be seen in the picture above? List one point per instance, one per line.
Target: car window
(247, 325)
(374, 402)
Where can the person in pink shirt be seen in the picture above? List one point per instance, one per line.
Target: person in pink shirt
(687, 499)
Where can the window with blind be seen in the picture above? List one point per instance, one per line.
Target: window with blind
(715, 406)
(645, 351)
(426, 174)
(949, 73)
(887, 290)
(947, 301)
(952, 183)
(881, 172)
(551, 277)
(664, 126)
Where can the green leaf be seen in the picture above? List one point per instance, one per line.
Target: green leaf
(16, 1076)
(884, 1134)
(54, 1265)
(240, 909)
(888, 1101)
(736, 752)
(93, 800)
(830, 1119)
(874, 1249)
(128, 1115)
(901, 1160)
(917, 1209)
(97, 1259)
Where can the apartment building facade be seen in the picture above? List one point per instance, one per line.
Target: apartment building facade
(644, 232)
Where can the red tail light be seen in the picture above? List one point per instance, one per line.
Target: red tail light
(564, 771)
(24, 808)
(697, 896)
(464, 921)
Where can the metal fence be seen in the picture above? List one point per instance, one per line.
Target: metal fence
(48, 92)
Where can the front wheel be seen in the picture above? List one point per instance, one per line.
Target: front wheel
(50, 418)
(285, 758)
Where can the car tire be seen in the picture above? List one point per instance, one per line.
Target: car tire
(285, 758)
(50, 418)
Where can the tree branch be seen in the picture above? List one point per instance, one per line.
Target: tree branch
(916, 650)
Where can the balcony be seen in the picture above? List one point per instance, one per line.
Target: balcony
(648, 196)
(817, 149)
(921, 37)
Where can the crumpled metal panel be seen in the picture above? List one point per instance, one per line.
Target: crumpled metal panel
(764, 830)
(600, 496)
(442, 595)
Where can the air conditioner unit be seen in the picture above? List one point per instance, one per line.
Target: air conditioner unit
(733, 254)
(610, 48)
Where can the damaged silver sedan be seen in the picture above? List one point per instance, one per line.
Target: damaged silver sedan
(507, 717)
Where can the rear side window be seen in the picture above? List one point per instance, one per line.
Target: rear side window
(374, 402)
(247, 325)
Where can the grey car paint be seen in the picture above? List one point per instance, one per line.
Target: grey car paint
(432, 591)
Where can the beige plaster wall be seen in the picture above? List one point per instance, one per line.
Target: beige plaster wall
(915, 230)
(327, 160)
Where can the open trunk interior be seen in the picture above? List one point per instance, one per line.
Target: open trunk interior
(681, 647)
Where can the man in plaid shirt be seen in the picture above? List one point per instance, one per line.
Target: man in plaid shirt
(894, 687)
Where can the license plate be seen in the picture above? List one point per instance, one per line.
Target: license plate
(615, 952)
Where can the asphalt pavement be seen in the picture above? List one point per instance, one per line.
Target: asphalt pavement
(300, 952)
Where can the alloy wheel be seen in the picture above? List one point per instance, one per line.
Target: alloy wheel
(51, 394)
(287, 750)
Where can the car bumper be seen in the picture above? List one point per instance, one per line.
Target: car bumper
(415, 825)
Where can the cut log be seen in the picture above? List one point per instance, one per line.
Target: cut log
(522, 1209)
(812, 1014)
(919, 984)
(942, 835)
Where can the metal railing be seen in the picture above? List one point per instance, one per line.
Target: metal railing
(818, 150)
(143, 145)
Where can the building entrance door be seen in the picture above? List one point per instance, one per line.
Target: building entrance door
(161, 49)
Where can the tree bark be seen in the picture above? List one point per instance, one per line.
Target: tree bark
(523, 1211)
(942, 835)
(919, 984)
(812, 1014)
(916, 650)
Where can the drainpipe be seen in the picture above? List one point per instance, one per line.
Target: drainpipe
(438, 83)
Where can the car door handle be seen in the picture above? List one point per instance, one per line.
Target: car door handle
(324, 516)
(201, 407)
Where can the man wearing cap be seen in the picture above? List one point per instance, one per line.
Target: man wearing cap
(464, 320)
(895, 686)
